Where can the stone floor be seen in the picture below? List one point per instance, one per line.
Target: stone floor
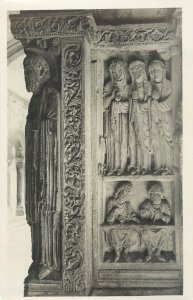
(136, 292)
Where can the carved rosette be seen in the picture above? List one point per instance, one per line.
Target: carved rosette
(73, 202)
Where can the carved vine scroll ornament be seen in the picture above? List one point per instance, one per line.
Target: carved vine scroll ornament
(107, 36)
(73, 105)
(43, 207)
(50, 26)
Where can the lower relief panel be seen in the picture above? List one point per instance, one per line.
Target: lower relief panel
(138, 234)
(135, 244)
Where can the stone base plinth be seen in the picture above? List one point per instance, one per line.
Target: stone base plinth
(137, 292)
(35, 288)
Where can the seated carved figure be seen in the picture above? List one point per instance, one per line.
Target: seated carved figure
(119, 207)
(140, 243)
(156, 242)
(124, 240)
(156, 208)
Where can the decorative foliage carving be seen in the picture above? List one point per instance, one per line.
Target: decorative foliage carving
(73, 107)
(49, 26)
(101, 36)
(132, 34)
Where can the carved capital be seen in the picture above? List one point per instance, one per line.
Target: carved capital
(30, 27)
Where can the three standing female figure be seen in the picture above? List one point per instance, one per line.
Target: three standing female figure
(138, 123)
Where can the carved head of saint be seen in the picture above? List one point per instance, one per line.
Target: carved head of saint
(123, 191)
(36, 71)
(157, 71)
(117, 70)
(155, 193)
(137, 71)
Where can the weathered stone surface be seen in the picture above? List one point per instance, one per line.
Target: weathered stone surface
(127, 79)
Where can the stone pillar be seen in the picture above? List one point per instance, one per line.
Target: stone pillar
(8, 184)
(12, 186)
(67, 185)
(57, 150)
(20, 186)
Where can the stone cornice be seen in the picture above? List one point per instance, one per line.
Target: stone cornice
(47, 26)
(138, 34)
(31, 27)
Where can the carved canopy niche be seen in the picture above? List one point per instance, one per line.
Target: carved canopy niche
(103, 152)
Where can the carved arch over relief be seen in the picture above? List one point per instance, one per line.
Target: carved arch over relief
(74, 174)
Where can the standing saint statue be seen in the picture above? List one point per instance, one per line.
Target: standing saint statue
(116, 109)
(139, 126)
(43, 207)
(162, 133)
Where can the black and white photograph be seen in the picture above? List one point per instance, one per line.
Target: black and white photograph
(95, 152)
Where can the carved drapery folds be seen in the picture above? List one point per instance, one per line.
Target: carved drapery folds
(43, 207)
(138, 128)
(134, 194)
(142, 232)
(73, 214)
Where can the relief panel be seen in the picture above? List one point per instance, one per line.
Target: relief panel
(138, 129)
(139, 223)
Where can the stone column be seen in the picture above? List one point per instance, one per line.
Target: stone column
(61, 186)
(20, 186)
(56, 159)
(8, 183)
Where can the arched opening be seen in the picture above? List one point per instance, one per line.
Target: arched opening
(20, 179)
(16, 179)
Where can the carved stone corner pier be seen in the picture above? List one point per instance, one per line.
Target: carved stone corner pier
(103, 153)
